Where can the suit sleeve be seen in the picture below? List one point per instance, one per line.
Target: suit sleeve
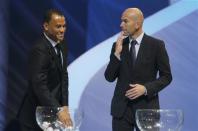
(38, 67)
(112, 70)
(165, 76)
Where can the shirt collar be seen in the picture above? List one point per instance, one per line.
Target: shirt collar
(53, 43)
(138, 39)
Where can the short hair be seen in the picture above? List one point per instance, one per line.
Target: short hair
(49, 13)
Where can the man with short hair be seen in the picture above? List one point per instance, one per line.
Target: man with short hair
(48, 76)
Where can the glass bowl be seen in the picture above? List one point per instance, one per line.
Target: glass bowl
(47, 119)
(159, 119)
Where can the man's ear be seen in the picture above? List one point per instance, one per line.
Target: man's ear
(45, 26)
(137, 25)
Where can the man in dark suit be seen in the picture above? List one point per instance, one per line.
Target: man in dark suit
(135, 61)
(48, 77)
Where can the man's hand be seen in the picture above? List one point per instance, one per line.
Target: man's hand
(118, 47)
(64, 117)
(136, 91)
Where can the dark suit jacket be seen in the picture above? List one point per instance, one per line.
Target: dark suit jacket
(151, 59)
(48, 81)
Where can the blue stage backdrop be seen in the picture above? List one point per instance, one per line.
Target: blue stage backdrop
(93, 26)
(3, 60)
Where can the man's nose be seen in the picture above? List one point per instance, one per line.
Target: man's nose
(62, 29)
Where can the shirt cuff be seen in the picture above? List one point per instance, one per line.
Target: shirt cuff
(145, 93)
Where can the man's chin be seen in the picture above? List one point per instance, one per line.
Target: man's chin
(125, 33)
(60, 40)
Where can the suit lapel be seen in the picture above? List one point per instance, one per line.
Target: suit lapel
(53, 54)
(142, 50)
(126, 54)
(140, 55)
(63, 50)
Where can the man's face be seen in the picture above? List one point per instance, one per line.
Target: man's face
(55, 28)
(128, 24)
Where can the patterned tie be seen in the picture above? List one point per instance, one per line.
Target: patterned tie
(58, 53)
(133, 51)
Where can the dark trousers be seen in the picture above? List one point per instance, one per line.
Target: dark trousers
(125, 123)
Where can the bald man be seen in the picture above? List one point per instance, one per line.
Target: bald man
(135, 61)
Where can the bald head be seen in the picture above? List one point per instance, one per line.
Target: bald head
(136, 14)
